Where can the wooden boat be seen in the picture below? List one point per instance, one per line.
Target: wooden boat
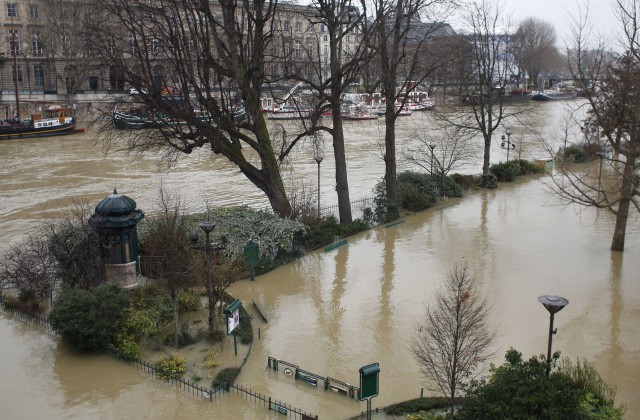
(57, 121)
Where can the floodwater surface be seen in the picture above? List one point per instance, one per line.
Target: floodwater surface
(331, 313)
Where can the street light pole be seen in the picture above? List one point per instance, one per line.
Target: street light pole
(207, 226)
(432, 146)
(318, 158)
(553, 304)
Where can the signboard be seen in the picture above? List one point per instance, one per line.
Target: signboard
(233, 316)
(369, 381)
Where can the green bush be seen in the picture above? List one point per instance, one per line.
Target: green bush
(416, 405)
(227, 375)
(329, 229)
(411, 198)
(521, 389)
(89, 320)
(488, 181)
(524, 167)
(504, 172)
(465, 182)
(576, 154)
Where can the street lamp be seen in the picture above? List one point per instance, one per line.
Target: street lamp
(207, 226)
(553, 304)
(508, 144)
(318, 158)
(432, 146)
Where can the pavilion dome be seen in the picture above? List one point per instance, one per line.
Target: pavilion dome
(117, 210)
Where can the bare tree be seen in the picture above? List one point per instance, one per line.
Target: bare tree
(449, 148)
(612, 89)
(402, 42)
(330, 72)
(534, 47)
(454, 336)
(488, 65)
(30, 268)
(194, 65)
(166, 252)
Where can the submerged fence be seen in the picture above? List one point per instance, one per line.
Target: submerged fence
(159, 373)
(330, 384)
(270, 403)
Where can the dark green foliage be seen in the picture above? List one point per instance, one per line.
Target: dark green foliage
(385, 210)
(416, 405)
(466, 182)
(520, 389)
(26, 302)
(89, 320)
(228, 375)
(416, 191)
(153, 297)
(576, 154)
(451, 188)
(329, 229)
(504, 172)
(488, 181)
(508, 171)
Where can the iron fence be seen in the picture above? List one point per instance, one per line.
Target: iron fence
(357, 207)
(271, 404)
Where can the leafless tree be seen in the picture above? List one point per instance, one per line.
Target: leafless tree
(488, 64)
(454, 337)
(195, 64)
(29, 267)
(343, 28)
(166, 253)
(449, 148)
(402, 43)
(612, 89)
(534, 47)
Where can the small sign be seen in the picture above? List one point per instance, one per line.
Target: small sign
(251, 257)
(233, 316)
(369, 381)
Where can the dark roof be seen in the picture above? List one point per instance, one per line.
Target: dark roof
(116, 210)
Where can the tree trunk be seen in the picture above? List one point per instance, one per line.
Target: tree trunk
(390, 172)
(342, 184)
(626, 192)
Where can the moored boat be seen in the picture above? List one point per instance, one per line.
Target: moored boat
(57, 121)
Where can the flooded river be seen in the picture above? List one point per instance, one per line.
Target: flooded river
(332, 312)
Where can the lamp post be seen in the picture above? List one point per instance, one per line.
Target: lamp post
(553, 304)
(432, 146)
(207, 226)
(318, 158)
(509, 145)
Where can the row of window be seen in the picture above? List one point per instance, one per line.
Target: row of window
(36, 76)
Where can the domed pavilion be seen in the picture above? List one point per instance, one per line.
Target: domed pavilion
(115, 219)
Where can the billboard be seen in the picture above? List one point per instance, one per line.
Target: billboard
(233, 316)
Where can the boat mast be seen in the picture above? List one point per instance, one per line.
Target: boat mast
(14, 50)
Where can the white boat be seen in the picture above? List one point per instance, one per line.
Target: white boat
(288, 113)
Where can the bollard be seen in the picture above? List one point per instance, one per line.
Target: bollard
(421, 392)
(258, 333)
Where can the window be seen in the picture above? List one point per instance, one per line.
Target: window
(323, 28)
(93, 82)
(33, 11)
(155, 46)
(66, 40)
(111, 45)
(298, 26)
(298, 51)
(36, 44)
(12, 10)
(13, 74)
(132, 42)
(286, 26)
(14, 42)
(38, 75)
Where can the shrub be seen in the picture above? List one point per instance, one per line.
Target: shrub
(210, 363)
(524, 167)
(412, 199)
(188, 301)
(504, 172)
(227, 375)
(171, 366)
(89, 320)
(488, 181)
(328, 229)
(416, 405)
(576, 154)
(465, 182)
(521, 389)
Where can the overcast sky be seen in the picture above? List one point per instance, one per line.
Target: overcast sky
(559, 12)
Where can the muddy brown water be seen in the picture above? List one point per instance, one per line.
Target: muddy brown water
(332, 312)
